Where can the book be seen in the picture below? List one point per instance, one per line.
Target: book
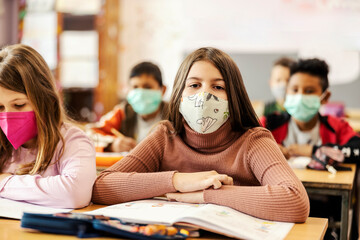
(15, 209)
(215, 218)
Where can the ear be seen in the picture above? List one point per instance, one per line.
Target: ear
(326, 97)
(163, 89)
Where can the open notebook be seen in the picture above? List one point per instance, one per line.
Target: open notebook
(15, 209)
(215, 218)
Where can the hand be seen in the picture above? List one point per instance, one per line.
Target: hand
(191, 197)
(300, 150)
(123, 144)
(4, 175)
(190, 182)
(285, 151)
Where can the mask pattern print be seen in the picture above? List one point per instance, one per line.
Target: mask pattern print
(204, 112)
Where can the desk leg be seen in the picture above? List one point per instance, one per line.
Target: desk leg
(345, 203)
(345, 207)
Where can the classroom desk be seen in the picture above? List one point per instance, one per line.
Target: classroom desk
(354, 123)
(341, 184)
(313, 228)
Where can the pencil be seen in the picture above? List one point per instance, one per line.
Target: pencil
(117, 133)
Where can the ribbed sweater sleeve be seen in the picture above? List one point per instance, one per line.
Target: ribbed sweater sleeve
(137, 175)
(281, 196)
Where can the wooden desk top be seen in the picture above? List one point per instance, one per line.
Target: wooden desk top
(313, 228)
(324, 179)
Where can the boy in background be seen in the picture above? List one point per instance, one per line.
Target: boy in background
(280, 74)
(302, 130)
(130, 122)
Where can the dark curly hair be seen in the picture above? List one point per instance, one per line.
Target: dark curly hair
(315, 67)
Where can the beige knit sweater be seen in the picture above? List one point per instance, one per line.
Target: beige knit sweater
(264, 184)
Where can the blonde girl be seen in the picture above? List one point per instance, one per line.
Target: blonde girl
(43, 160)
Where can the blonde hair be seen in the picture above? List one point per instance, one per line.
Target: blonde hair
(23, 70)
(242, 115)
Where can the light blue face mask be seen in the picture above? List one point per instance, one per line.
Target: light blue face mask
(302, 107)
(144, 101)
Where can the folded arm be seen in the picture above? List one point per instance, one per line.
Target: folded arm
(71, 188)
(136, 176)
(281, 196)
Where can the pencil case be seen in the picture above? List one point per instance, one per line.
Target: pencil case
(85, 226)
(117, 227)
(80, 225)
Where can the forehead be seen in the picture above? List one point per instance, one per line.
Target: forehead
(280, 70)
(144, 79)
(7, 95)
(304, 80)
(204, 69)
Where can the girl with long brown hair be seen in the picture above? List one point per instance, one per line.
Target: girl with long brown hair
(211, 150)
(43, 160)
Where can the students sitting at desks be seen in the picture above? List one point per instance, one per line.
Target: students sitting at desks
(43, 160)
(301, 130)
(280, 74)
(211, 150)
(131, 121)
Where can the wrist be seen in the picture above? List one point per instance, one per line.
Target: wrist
(175, 180)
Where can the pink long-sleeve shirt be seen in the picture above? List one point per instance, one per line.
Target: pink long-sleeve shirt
(66, 183)
(264, 184)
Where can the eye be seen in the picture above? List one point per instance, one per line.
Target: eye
(147, 86)
(294, 90)
(2, 108)
(309, 91)
(194, 85)
(19, 105)
(219, 88)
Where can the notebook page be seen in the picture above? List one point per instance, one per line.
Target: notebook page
(15, 209)
(149, 211)
(230, 222)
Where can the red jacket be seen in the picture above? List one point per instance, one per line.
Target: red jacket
(333, 132)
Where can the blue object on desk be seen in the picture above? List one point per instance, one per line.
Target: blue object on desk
(86, 226)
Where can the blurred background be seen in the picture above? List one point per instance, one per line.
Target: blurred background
(91, 45)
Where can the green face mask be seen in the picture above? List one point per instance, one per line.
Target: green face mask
(144, 101)
(302, 107)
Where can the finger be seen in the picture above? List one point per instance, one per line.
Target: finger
(225, 179)
(230, 181)
(172, 196)
(215, 183)
(213, 172)
(192, 197)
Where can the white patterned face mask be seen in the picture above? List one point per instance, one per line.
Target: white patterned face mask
(204, 112)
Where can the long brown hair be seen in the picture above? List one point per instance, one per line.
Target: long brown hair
(23, 70)
(242, 114)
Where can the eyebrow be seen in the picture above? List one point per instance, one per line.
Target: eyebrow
(16, 99)
(197, 78)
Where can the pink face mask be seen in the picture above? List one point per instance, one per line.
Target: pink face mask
(19, 127)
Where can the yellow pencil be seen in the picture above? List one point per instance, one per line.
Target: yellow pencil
(117, 133)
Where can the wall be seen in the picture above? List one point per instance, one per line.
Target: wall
(8, 22)
(164, 31)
